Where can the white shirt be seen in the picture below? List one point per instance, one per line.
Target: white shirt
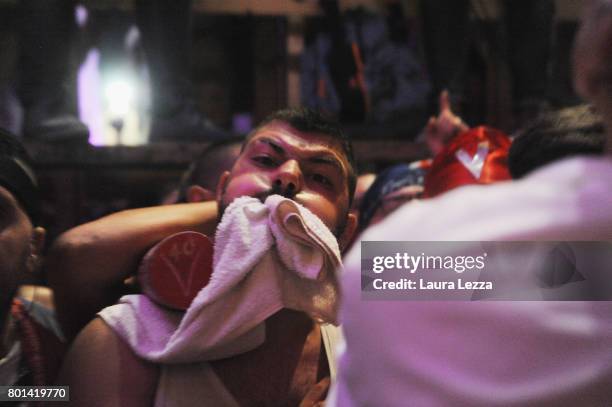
(485, 353)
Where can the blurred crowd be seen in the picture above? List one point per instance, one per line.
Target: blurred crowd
(244, 285)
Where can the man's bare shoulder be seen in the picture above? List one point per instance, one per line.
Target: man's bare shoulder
(102, 370)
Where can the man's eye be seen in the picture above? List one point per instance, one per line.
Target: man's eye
(265, 161)
(321, 179)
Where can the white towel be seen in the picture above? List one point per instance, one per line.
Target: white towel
(268, 256)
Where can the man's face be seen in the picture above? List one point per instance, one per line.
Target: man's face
(308, 168)
(15, 248)
(592, 51)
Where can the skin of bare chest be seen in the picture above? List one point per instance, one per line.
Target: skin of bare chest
(282, 370)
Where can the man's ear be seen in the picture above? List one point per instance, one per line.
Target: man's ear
(196, 193)
(349, 230)
(223, 179)
(37, 244)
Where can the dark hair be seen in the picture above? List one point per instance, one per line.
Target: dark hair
(388, 181)
(311, 121)
(556, 135)
(17, 175)
(10, 146)
(208, 166)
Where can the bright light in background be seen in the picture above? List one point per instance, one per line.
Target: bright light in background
(119, 93)
(124, 107)
(81, 15)
(114, 102)
(89, 98)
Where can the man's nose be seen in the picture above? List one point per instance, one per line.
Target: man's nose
(288, 178)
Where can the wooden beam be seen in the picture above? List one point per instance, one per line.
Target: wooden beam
(257, 7)
(178, 155)
(566, 10)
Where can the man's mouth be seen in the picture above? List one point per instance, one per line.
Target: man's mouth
(288, 193)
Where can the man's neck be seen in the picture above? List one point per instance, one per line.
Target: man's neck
(604, 108)
(608, 147)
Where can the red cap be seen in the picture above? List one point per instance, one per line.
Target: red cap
(476, 156)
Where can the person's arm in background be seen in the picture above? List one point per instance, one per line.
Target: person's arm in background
(442, 128)
(86, 266)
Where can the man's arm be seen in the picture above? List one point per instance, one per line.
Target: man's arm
(101, 370)
(87, 265)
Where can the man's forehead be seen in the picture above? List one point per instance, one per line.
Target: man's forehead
(308, 140)
(7, 197)
(286, 137)
(5, 193)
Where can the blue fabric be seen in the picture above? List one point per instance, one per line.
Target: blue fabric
(388, 181)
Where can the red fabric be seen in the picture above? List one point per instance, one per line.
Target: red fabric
(42, 350)
(447, 172)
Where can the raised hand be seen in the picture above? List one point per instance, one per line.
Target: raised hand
(439, 130)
